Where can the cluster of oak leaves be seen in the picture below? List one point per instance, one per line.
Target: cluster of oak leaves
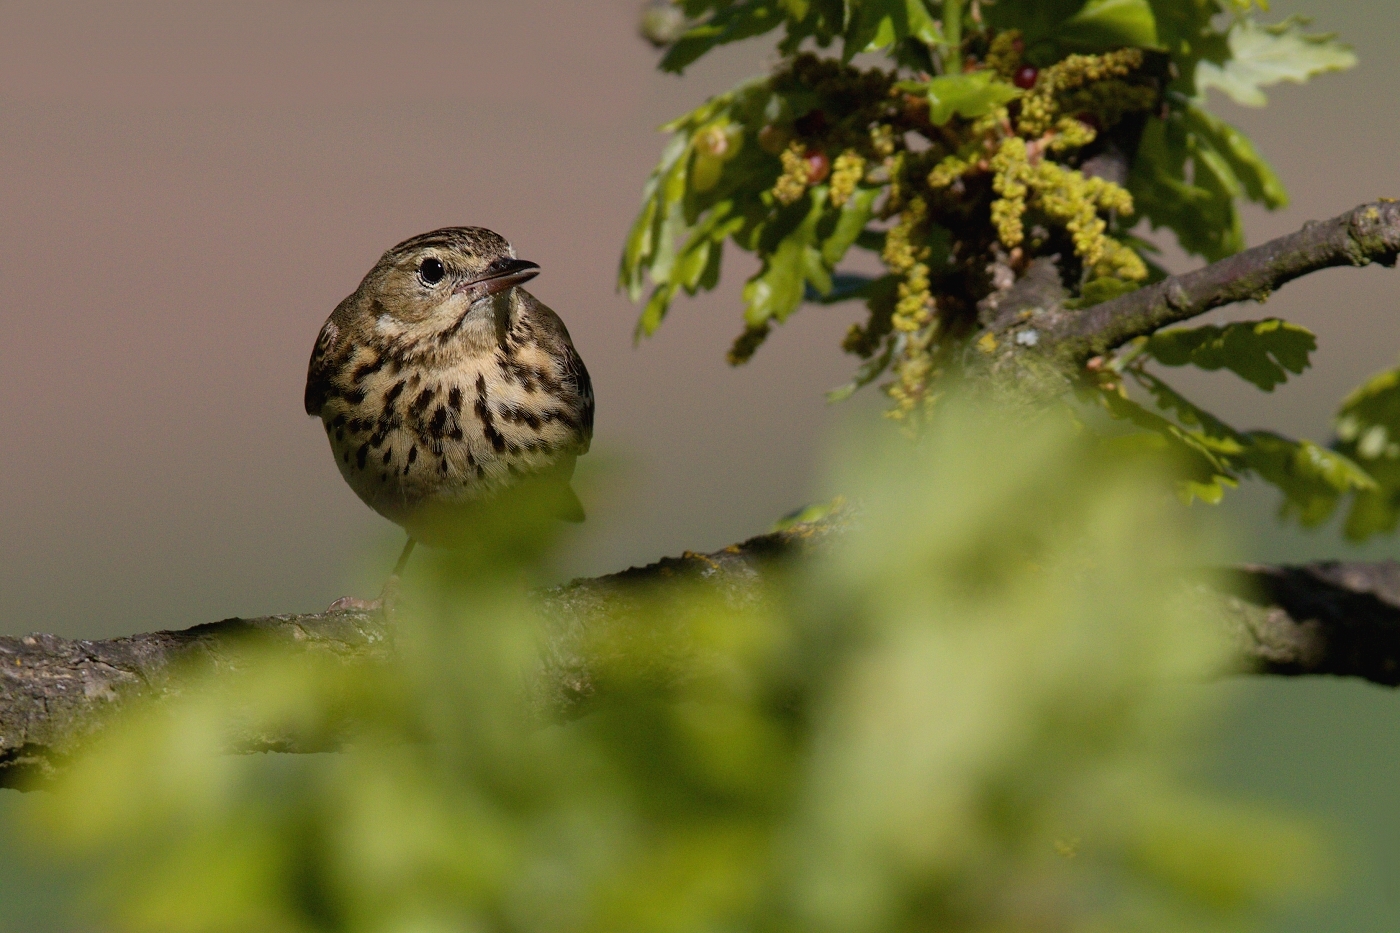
(1003, 175)
(958, 178)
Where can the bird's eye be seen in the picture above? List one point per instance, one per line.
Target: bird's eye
(431, 271)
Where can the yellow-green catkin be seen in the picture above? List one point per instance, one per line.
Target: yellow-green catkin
(914, 308)
(882, 140)
(913, 312)
(998, 120)
(914, 374)
(949, 170)
(1040, 107)
(1011, 180)
(846, 173)
(903, 257)
(1074, 199)
(793, 182)
(1109, 100)
(1065, 196)
(1003, 56)
(1121, 262)
(894, 201)
(1071, 133)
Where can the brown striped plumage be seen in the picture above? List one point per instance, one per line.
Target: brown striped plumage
(440, 383)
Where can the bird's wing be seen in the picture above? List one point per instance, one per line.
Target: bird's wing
(318, 372)
(575, 370)
(556, 339)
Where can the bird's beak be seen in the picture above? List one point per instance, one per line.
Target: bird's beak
(501, 275)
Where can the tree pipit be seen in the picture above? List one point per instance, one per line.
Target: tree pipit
(442, 383)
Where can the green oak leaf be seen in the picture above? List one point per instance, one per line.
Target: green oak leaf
(673, 231)
(1311, 478)
(867, 373)
(1369, 417)
(850, 221)
(1190, 169)
(1368, 430)
(1212, 434)
(655, 309)
(1109, 24)
(1261, 56)
(777, 289)
(872, 25)
(1375, 511)
(969, 94)
(1038, 21)
(1234, 154)
(1208, 467)
(1187, 31)
(657, 198)
(637, 251)
(1261, 352)
(730, 24)
(697, 266)
(1176, 182)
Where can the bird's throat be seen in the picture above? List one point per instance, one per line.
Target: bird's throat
(483, 325)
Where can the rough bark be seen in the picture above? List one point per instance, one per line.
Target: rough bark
(1369, 233)
(55, 692)
(1330, 617)
(1031, 344)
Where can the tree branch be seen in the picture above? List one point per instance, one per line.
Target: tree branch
(56, 692)
(1369, 233)
(1329, 618)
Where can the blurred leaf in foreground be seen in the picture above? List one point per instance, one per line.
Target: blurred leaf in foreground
(969, 715)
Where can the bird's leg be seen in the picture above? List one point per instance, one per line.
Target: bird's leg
(403, 558)
(388, 596)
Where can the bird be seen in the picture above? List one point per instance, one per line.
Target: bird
(442, 383)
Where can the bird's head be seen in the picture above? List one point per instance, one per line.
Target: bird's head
(440, 280)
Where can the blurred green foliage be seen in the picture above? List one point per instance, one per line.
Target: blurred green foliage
(968, 715)
(1368, 427)
(972, 139)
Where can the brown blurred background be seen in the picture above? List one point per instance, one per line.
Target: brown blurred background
(187, 189)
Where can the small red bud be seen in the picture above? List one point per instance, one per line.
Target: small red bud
(818, 167)
(1025, 77)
